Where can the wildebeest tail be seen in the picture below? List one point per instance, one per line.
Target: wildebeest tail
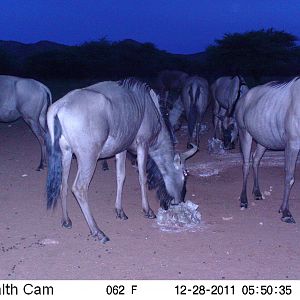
(54, 176)
(192, 117)
(43, 112)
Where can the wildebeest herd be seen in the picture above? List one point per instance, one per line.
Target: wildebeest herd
(116, 118)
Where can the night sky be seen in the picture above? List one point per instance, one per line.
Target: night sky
(178, 26)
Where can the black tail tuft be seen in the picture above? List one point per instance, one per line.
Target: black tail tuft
(54, 176)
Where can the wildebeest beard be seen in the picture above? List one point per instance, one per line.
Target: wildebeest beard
(155, 181)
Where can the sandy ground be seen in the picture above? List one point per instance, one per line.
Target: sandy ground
(229, 244)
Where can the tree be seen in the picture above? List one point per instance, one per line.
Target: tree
(254, 53)
(5, 62)
(64, 63)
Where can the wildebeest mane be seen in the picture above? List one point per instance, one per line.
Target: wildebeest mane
(281, 83)
(132, 82)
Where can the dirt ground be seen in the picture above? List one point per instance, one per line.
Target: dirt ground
(230, 243)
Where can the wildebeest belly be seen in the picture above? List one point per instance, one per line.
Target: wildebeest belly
(266, 128)
(116, 144)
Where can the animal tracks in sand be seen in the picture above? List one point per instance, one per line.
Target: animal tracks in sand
(220, 163)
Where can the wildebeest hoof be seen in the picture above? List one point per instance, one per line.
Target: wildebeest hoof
(289, 220)
(244, 205)
(66, 224)
(99, 235)
(287, 217)
(104, 239)
(149, 214)
(258, 196)
(120, 214)
(40, 167)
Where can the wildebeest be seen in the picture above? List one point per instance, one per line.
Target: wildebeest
(226, 92)
(270, 114)
(103, 120)
(29, 99)
(169, 84)
(194, 96)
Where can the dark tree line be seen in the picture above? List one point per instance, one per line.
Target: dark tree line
(5, 62)
(254, 53)
(96, 59)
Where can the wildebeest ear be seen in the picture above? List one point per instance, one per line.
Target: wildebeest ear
(177, 161)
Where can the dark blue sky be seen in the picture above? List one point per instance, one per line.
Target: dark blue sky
(178, 26)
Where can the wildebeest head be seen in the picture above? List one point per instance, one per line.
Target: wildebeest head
(230, 132)
(170, 178)
(176, 185)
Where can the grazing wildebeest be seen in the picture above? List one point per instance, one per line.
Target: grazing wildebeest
(194, 96)
(29, 99)
(270, 114)
(103, 120)
(168, 85)
(169, 80)
(226, 92)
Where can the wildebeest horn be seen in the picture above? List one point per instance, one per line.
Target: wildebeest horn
(184, 156)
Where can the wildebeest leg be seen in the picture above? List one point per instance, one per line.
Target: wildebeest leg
(198, 126)
(142, 154)
(120, 168)
(217, 121)
(66, 163)
(86, 168)
(39, 133)
(104, 165)
(258, 154)
(246, 141)
(192, 123)
(198, 129)
(166, 98)
(291, 154)
(175, 114)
